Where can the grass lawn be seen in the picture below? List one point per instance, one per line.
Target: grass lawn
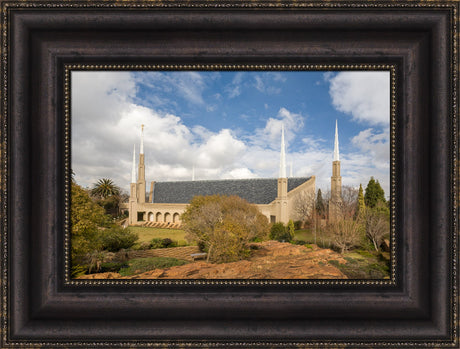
(146, 234)
(309, 237)
(364, 265)
(141, 265)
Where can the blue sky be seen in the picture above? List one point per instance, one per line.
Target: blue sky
(227, 124)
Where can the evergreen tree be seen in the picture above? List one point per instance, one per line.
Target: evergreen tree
(361, 204)
(374, 193)
(320, 208)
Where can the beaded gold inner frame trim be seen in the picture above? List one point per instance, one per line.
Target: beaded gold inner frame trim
(230, 67)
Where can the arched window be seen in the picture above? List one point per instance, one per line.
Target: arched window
(167, 217)
(150, 217)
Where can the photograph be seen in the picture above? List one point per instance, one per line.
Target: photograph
(230, 174)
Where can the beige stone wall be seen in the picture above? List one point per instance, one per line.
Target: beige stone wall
(309, 190)
(155, 212)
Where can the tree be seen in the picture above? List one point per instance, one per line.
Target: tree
(304, 205)
(291, 229)
(105, 188)
(320, 207)
(224, 225)
(374, 193)
(347, 229)
(346, 233)
(361, 205)
(107, 195)
(377, 223)
(87, 220)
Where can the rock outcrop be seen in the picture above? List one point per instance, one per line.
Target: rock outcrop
(269, 260)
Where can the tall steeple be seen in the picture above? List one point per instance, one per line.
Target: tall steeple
(141, 171)
(336, 143)
(133, 171)
(282, 214)
(133, 191)
(336, 180)
(282, 173)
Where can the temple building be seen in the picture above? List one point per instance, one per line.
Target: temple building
(166, 201)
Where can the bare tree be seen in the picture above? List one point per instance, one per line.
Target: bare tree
(304, 205)
(345, 233)
(345, 230)
(377, 224)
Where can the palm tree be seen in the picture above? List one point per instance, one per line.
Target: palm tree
(105, 188)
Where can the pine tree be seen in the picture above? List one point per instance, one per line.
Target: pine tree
(374, 193)
(320, 209)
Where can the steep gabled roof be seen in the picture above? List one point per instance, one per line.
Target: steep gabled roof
(256, 191)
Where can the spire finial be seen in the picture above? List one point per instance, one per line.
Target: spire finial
(133, 171)
(336, 143)
(141, 150)
(282, 155)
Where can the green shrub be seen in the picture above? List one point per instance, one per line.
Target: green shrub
(162, 243)
(297, 225)
(117, 238)
(78, 270)
(113, 267)
(280, 233)
(167, 242)
(141, 265)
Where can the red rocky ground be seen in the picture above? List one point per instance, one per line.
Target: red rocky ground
(271, 260)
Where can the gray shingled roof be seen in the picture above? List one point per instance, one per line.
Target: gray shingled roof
(257, 191)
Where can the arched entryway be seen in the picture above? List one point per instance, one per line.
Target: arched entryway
(150, 217)
(167, 217)
(176, 218)
(158, 217)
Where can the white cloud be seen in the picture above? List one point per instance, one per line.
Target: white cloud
(106, 123)
(270, 135)
(363, 95)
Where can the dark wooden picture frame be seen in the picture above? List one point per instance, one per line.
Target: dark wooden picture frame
(40, 307)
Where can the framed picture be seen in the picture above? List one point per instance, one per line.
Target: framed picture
(212, 232)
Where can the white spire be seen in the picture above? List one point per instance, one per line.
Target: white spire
(336, 143)
(133, 171)
(141, 151)
(282, 155)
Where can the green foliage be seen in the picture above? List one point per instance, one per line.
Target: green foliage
(334, 262)
(162, 243)
(320, 206)
(78, 270)
(361, 203)
(281, 233)
(116, 238)
(291, 229)
(374, 193)
(105, 188)
(141, 265)
(87, 221)
(225, 225)
(297, 225)
(113, 267)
